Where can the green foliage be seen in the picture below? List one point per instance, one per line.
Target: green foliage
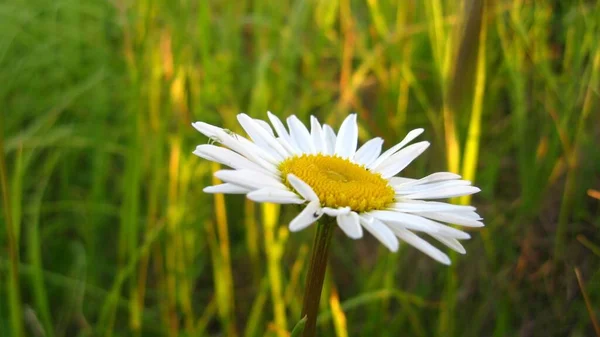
(102, 198)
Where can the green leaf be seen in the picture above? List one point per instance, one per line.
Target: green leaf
(299, 328)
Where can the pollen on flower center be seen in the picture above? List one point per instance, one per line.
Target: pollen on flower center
(339, 182)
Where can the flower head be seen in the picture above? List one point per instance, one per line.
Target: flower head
(328, 174)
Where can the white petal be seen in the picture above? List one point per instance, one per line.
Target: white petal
(275, 195)
(457, 218)
(302, 188)
(380, 231)
(311, 213)
(409, 137)
(250, 179)
(396, 181)
(333, 212)
(330, 139)
(284, 136)
(290, 150)
(443, 193)
(265, 126)
(369, 151)
(249, 126)
(206, 129)
(261, 137)
(418, 223)
(414, 188)
(400, 160)
(240, 145)
(422, 245)
(225, 157)
(300, 134)
(450, 242)
(350, 224)
(316, 134)
(226, 188)
(266, 154)
(347, 138)
(418, 206)
(434, 177)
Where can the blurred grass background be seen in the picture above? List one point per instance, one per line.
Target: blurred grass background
(106, 230)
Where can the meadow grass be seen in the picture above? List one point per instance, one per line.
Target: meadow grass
(106, 230)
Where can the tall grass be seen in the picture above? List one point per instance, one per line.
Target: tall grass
(106, 230)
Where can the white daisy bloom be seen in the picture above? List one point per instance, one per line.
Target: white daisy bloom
(328, 174)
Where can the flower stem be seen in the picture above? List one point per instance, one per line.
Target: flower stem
(316, 275)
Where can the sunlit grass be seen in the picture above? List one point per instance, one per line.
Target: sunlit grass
(106, 230)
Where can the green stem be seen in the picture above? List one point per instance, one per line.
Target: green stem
(316, 275)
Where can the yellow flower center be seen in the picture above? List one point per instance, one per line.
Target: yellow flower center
(339, 182)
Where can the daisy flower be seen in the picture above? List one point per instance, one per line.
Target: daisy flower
(327, 173)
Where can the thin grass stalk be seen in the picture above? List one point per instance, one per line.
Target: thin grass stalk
(403, 19)
(175, 272)
(442, 53)
(574, 158)
(339, 317)
(348, 50)
(13, 289)
(181, 175)
(294, 281)
(34, 253)
(106, 321)
(171, 244)
(252, 240)
(131, 212)
(378, 18)
(451, 104)
(473, 137)
(138, 283)
(274, 252)
(224, 285)
(257, 310)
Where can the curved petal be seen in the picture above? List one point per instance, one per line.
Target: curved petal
(418, 223)
(400, 181)
(443, 193)
(466, 219)
(311, 213)
(226, 157)
(409, 137)
(422, 245)
(275, 195)
(249, 179)
(284, 136)
(226, 188)
(414, 188)
(350, 224)
(434, 177)
(206, 129)
(240, 145)
(418, 206)
(347, 137)
(300, 134)
(380, 231)
(368, 152)
(450, 242)
(265, 126)
(333, 212)
(302, 188)
(316, 134)
(261, 137)
(396, 163)
(330, 139)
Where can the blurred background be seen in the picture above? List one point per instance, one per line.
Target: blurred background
(105, 230)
